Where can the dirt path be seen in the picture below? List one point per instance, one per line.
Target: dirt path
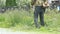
(8, 31)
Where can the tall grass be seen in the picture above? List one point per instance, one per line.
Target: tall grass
(11, 18)
(24, 20)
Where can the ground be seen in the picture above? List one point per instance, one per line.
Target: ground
(9, 31)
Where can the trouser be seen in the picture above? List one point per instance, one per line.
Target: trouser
(39, 11)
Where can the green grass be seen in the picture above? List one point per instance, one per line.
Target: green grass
(23, 21)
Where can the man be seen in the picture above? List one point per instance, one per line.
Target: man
(40, 6)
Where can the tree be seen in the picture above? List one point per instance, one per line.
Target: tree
(10, 3)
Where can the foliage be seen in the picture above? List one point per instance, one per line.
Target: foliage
(14, 2)
(11, 3)
(2, 3)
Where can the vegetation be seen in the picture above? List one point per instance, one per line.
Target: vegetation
(11, 3)
(23, 20)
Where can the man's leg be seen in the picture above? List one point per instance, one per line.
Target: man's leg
(42, 18)
(36, 19)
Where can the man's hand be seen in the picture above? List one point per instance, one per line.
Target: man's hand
(45, 4)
